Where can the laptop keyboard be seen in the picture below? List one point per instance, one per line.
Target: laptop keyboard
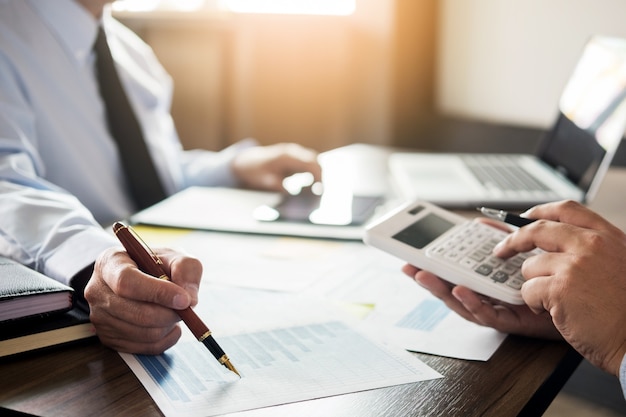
(502, 172)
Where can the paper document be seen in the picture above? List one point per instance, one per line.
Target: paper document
(405, 313)
(351, 274)
(280, 263)
(278, 364)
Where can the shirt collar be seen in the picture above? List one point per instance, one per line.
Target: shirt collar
(79, 35)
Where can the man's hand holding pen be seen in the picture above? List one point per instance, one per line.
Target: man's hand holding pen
(134, 312)
(150, 263)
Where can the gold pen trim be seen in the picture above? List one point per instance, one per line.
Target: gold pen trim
(204, 336)
(148, 249)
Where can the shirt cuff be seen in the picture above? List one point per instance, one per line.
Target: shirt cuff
(213, 169)
(77, 253)
(622, 375)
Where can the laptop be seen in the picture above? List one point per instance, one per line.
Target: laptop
(570, 162)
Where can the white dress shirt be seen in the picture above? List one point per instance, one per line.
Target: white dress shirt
(622, 376)
(60, 174)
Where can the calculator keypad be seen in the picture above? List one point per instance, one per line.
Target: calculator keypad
(471, 247)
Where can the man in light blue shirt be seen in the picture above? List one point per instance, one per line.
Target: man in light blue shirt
(60, 173)
(575, 290)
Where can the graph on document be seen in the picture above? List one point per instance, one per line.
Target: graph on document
(425, 316)
(278, 366)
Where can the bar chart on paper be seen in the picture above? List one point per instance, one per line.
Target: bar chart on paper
(278, 366)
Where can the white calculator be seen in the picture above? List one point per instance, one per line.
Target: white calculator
(454, 248)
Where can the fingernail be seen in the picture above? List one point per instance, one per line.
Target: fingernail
(421, 284)
(180, 301)
(192, 289)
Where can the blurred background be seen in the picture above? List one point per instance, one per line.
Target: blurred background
(326, 73)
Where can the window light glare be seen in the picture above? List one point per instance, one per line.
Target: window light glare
(313, 7)
(153, 5)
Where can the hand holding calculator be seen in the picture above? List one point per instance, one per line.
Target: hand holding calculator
(454, 248)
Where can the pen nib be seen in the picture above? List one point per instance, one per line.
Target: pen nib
(230, 366)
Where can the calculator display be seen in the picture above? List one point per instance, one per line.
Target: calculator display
(424, 231)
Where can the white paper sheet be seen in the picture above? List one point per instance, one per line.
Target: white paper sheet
(279, 364)
(280, 263)
(350, 273)
(406, 314)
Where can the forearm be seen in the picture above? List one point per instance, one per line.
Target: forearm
(49, 231)
(205, 168)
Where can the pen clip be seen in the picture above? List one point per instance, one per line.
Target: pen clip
(150, 252)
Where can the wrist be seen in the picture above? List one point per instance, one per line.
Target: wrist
(80, 279)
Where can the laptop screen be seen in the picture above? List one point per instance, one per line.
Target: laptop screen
(592, 114)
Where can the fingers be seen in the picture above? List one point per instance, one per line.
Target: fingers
(121, 274)
(150, 332)
(134, 312)
(535, 293)
(547, 235)
(295, 159)
(442, 290)
(286, 165)
(409, 270)
(485, 312)
(561, 226)
(461, 300)
(184, 271)
(265, 167)
(569, 212)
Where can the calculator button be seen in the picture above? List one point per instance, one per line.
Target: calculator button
(440, 250)
(453, 255)
(495, 262)
(468, 263)
(509, 268)
(471, 246)
(516, 261)
(484, 269)
(487, 247)
(478, 256)
(464, 248)
(518, 275)
(515, 283)
(500, 276)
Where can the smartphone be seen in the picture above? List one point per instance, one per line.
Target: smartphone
(323, 209)
(456, 249)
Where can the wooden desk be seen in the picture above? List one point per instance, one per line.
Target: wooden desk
(88, 379)
(521, 378)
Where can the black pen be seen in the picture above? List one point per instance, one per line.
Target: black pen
(505, 216)
(151, 264)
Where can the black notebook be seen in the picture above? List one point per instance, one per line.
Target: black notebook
(25, 292)
(36, 311)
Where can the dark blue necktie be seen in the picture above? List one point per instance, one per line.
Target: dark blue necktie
(143, 181)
